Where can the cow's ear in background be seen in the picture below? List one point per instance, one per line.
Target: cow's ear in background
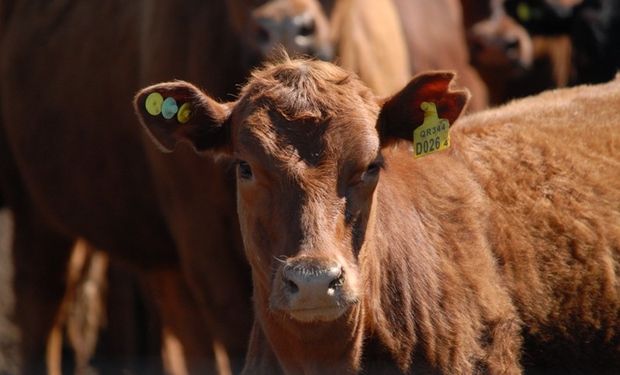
(173, 112)
(402, 113)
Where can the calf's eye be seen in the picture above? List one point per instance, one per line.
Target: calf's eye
(244, 170)
(373, 169)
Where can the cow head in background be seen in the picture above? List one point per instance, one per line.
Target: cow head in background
(299, 26)
(521, 47)
(308, 137)
(501, 41)
(506, 36)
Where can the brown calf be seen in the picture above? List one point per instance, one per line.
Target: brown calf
(455, 262)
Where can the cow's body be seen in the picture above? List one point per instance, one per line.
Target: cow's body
(496, 255)
(411, 37)
(73, 164)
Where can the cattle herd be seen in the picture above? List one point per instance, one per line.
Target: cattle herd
(310, 187)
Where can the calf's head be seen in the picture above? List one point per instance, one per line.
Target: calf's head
(308, 140)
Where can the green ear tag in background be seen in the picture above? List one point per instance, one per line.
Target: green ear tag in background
(434, 133)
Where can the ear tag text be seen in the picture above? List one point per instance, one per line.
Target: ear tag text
(434, 133)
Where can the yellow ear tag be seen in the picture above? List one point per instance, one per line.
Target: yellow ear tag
(153, 103)
(184, 113)
(434, 133)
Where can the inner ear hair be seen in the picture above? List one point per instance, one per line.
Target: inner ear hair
(401, 114)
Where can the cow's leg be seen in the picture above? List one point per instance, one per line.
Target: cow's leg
(84, 312)
(188, 346)
(40, 258)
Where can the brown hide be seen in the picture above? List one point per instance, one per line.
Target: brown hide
(496, 255)
(75, 163)
(370, 42)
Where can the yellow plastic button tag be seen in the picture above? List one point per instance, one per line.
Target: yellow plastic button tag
(434, 133)
(153, 103)
(184, 113)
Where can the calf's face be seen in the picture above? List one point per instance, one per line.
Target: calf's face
(307, 137)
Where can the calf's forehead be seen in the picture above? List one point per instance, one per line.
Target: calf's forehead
(308, 110)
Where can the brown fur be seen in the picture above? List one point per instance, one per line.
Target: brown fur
(453, 263)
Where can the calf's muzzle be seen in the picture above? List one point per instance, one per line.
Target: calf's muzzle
(310, 289)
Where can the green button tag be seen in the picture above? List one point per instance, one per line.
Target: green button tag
(434, 133)
(169, 108)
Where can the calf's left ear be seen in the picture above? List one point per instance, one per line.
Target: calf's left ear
(402, 113)
(173, 112)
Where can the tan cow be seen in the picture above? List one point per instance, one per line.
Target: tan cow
(364, 256)
(435, 35)
(386, 42)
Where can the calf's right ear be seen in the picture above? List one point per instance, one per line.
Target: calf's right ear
(173, 112)
(402, 113)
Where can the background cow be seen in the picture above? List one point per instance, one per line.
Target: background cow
(524, 47)
(457, 262)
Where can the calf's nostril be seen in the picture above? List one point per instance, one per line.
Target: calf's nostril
(337, 282)
(291, 286)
